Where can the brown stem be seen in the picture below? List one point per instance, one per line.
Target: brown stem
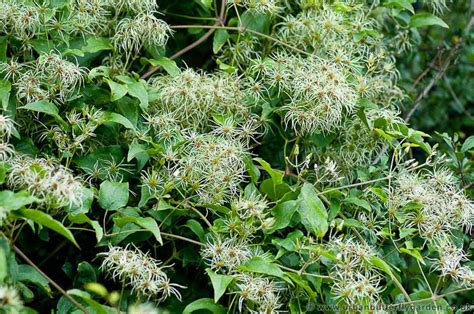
(220, 22)
(452, 55)
(170, 235)
(51, 281)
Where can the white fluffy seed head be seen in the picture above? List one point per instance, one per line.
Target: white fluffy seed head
(45, 179)
(225, 255)
(140, 271)
(10, 299)
(258, 291)
(142, 30)
(258, 6)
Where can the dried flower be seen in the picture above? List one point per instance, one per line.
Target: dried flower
(140, 271)
(45, 179)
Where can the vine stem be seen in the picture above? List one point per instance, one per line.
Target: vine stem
(170, 235)
(451, 56)
(51, 281)
(242, 30)
(220, 21)
(202, 217)
(435, 297)
(355, 185)
(303, 273)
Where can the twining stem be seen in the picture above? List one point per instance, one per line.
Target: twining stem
(170, 235)
(164, 234)
(202, 217)
(303, 273)
(435, 297)
(242, 30)
(220, 20)
(355, 185)
(51, 281)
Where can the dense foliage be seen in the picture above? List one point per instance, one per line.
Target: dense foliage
(254, 156)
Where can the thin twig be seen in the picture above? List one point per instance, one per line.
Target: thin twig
(202, 217)
(51, 281)
(355, 185)
(220, 21)
(170, 235)
(243, 30)
(434, 297)
(452, 55)
(182, 51)
(304, 273)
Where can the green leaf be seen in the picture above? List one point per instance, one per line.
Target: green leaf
(220, 38)
(302, 283)
(261, 266)
(312, 211)
(96, 44)
(381, 194)
(85, 273)
(118, 118)
(147, 223)
(358, 202)
(225, 67)
(5, 89)
(47, 221)
(277, 176)
(379, 263)
(3, 261)
(14, 201)
(204, 304)
(96, 306)
(139, 91)
(197, 229)
(426, 19)
(401, 4)
(415, 253)
(85, 204)
(3, 48)
(283, 213)
(206, 3)
(219, 283)
(44, 106)
(256, 22)
(113, 195)
(81, 219)
(96, 288)
(26, 273)
(166, 63)
(117, 90)
(252, 170)
(135, 149)
(468, 144)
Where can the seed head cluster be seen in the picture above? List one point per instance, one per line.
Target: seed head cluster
(356, 281)
(258, 291)
(19, 18)
(140, 271)
(46, 179)
(143, 30)
(10, 300)
(258, 6)
(6, 128)
(50, 77)
(192, 98)
(443, 207)
(449, 262)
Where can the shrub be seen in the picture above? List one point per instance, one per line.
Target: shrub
(239, 156)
